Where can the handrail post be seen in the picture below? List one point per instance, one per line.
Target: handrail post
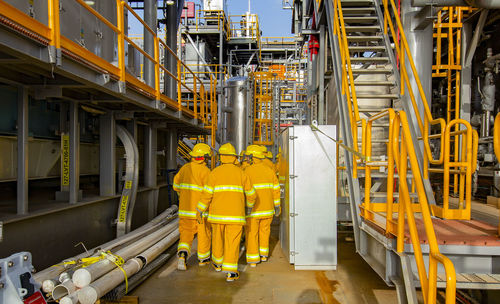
(157, 67)
(195, 97)
(121, 44)
(179, 94)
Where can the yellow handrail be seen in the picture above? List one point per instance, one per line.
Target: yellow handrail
(401, 132)
(400, 147)
(51, 33)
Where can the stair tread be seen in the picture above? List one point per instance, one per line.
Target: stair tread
(364, 38)
(372, 71)
(357, 10)
(360, 19)
(369, 59)
(367, 48)
(362, 28)
(359, 95)
(351, 3)
(374, 83)
(384, 194)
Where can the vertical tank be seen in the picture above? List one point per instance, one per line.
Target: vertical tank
(237, 113)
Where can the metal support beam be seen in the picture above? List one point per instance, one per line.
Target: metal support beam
(22, 150)
(150, 17)
(321, 76)
(107, 155)
(475, 40)
(171, 158)
(150, 147)
(74, 153)
(172, 25)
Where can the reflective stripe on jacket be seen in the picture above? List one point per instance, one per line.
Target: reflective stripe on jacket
(267, 186)
(189, 183)
(225, 193)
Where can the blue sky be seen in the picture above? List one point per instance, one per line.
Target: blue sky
(274, 21)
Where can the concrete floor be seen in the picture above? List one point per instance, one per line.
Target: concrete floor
(272, 282)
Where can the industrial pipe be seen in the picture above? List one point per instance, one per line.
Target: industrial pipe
(49, 274)
(69, 299)
(90, 294)
(489, 4)
(83, 276)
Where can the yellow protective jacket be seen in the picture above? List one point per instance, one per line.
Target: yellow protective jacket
(244, 165)
(270, 164)
(224, 195)
(189, 182)
(267, 186)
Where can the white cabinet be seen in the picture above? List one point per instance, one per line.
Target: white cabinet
(308, 231)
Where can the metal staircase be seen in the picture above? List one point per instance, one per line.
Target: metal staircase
(394, 214)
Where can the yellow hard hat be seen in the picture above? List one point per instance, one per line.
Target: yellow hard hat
(264, 148)
(200, 150)
(269, 154)
(227, 149)
(255, 151)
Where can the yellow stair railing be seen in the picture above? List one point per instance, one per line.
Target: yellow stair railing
(400, 150)
(183, 150)
(463, 167)
(403, 149)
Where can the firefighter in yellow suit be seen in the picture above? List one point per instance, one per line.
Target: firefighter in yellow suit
(244, 163)
(267, 187)
(224, 196)
(268, 158)
(189, 183)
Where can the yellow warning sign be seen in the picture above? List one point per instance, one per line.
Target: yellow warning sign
(128, 185)
(65, 160)
(123, 209)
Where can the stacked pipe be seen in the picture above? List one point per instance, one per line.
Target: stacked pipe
(71, 284)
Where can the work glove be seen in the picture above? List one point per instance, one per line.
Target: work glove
(277, 211)
(248, 210)
(199, 217)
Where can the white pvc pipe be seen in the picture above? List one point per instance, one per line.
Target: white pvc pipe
(70, 299)
(83, 276)
(90, 294)
(48, 285)
(52, 272)
(65, 288)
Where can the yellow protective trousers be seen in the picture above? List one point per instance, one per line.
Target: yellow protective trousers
(226, 246)
(257, 238)
(187, 230)
(204, 240)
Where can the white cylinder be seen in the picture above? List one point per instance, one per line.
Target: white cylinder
(69, 299)
(83, 276)
(65, 288)
(48, 285)
(90, 294)
(52, 272)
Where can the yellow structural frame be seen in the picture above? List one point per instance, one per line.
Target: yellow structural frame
(263, 108)
(196, 108)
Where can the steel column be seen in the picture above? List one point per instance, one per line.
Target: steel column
(107, 155)
(150, 17)
(22, 150)
(171, 159)
(321, 76)
(169, 83)
(74, 153)
(150, 147)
